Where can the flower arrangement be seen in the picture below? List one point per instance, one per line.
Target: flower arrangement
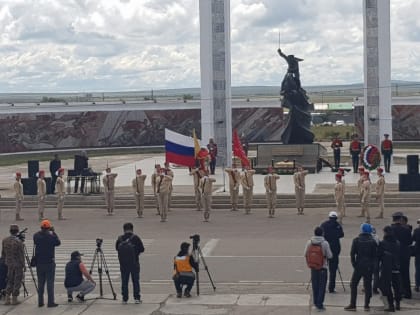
(371, 157)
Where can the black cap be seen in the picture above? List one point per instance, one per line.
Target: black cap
(76, 254)
(185, 246)
(397, 214)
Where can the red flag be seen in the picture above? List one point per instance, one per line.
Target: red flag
(238, 151)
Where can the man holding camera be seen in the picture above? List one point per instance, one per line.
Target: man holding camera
(14, 257)
(45, 242)
(129, 246)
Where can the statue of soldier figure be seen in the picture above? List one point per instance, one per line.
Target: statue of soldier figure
(297, 128)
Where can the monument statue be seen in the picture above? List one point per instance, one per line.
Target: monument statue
(297, 128)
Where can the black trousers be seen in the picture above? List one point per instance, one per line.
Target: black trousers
(337, 156)
(355, 161)
(184, 280)
(82, 185)
(366, 274)
(390, 286)
(405, 275)
(387, 162)
(53, 181)
(134, 272)
(332, 268)
(212, 166)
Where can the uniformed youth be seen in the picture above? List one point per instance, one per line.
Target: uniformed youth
(360, 182)
(339, 196)
(270, 184)
(169, 172)
(109, 186)
(197, 174)
(138, 190)
(41, 193)
(206, 184)
(365, 197)
(163, 190)
(234, 182)
(343, 182)
(60, 188)
(154, 180)
(299, 181)
(247, 181)
(380, 190)
(386, 150)
(18, 188)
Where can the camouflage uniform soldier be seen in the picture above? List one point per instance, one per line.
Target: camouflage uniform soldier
(155, 175)
(271, 191)
(169, 172)
(234, 181)
(163, 183)
(197, 192)
(365, 197)
(41, 192)
(138, 189)
(60, 188)
(18, 188)
(14, 257)
(339, 196)
(380, 190)
(247, 182)
(109, 185)
(206, 184)
(299, 180)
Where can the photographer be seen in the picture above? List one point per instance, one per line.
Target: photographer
(45, 242)
(416, 240)
(129, 246)
(75, 270)
(183, 271)
(14, 257)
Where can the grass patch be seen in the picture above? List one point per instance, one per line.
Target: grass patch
(326, 133)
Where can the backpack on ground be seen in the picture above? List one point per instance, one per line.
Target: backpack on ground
(315, 257)
(127, 252)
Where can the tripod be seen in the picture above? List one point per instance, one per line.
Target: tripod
(28, 262)
(341, 279)
(198, 254)
(102, 265)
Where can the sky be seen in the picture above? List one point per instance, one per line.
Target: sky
(132, 45)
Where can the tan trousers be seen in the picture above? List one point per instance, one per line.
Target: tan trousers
(381, 205)
(60, 205)
(169, 199)
(365, 209)
(341, 207)
(197, 193)
(300, 198)
(41, 207)
(109, 200)
(163, 205)
(234, 196)
(18, 207)
(248, 194)
(271, 202)
(206, 200)
(157, 204)
(139, 204)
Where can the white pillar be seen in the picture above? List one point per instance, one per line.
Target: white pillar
(377, 70)
(216, 109)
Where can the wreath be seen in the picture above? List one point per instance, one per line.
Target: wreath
(371, 157)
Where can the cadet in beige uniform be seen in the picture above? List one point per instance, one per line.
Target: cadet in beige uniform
(138, 189)
(360, 182)
(343, 181)
(169, 172)
(18, 188)
(270, 184)
(206, 184)
(197, 173)
(365, 197)
(60, 188)
(163, 189)
(41, 192)
(109, 185)
(234, 181)
(339, 196)
(247, 181)
(380, 190)
(154, 178)
(299, 180)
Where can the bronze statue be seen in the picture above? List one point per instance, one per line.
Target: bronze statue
(297, 128)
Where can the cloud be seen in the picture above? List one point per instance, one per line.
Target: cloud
(87, 45)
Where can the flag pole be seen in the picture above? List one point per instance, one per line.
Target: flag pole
(224, 178)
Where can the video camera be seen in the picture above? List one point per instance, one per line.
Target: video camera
(21, 235)
(99, 242)
(196, 240)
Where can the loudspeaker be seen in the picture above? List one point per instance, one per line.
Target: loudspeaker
(29, 186)
(33, 168)
(412, 164)
(409, 182)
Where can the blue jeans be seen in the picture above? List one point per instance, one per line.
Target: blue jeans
(319, 284)
(45, 274)
(135, 278)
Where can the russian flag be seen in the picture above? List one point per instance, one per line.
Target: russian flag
(179, 149)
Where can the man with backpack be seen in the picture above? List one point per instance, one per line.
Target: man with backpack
(363, 257)
(129, 246)
(317, 253)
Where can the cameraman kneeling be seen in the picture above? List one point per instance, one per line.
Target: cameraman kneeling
(75, 270)
(183, 271)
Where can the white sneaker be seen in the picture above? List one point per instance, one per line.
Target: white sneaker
(137, 301)
(124, 302)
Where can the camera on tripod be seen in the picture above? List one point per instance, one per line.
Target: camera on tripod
(99, 242)
(196, 240)
(21, 235)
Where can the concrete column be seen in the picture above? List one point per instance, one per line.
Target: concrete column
(377, 70)
(216, 109)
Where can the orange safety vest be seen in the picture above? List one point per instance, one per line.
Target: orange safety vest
(182, 264)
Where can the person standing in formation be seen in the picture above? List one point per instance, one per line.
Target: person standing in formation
(336, 145)
(18, 188)
(212, 147)
(270, 184)
(169, 172)
(342, 171)
(55, 165)
(380, 190)
(206, 184)
(41, 192)
(234, 181)
(247, 181)
(155, 176)
(339, 196)
(360, 182)
(138, 189)
(163, 189)
(197, 174)
(355, 150)
(60, 187)
(299, 180)
(365, 190)
(109, 185)
(386, 150)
